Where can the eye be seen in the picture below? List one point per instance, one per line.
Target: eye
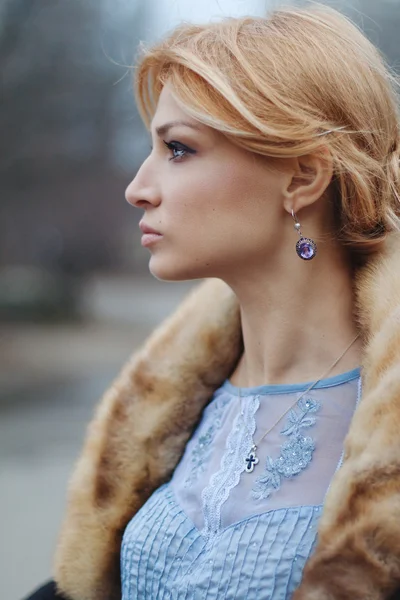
(178, 150)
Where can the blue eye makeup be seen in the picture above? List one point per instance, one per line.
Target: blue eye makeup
(178, 150)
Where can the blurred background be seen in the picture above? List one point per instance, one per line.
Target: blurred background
(76, 297)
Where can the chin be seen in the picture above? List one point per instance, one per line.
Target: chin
(173, 271)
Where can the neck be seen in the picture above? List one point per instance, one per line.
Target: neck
(295, 328)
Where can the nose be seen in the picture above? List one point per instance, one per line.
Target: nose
(142, 190)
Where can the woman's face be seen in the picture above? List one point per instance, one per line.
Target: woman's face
(217, 207)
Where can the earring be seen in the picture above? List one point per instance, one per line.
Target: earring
(305, 247)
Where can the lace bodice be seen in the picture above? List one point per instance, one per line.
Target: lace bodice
(297, 459)
(217, 531)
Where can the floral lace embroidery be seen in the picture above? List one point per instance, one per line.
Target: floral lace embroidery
(296, 453)
(202, 449)
(238, 445)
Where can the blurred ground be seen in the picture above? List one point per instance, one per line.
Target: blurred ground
(51, 378)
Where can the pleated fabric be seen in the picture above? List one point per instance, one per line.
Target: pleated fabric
(165, 557)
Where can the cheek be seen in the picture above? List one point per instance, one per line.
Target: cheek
(189, 198)
(237, 199)
(211, 203)
(205, 188)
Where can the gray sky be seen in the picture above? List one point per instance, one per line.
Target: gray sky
(168, 13)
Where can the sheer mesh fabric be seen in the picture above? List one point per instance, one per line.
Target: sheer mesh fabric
(297, 459)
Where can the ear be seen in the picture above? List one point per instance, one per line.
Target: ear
(312, 175)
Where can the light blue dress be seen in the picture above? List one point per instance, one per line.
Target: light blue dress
(217, 531)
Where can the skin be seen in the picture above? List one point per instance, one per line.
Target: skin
(225, 212)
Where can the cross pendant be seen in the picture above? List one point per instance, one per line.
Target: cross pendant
(251, 460)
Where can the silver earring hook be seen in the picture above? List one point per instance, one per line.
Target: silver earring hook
(294, 216)
(297, 225)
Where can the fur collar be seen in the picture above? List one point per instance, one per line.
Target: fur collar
(145, 419)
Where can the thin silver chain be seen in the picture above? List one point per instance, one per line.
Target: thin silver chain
(307, 390)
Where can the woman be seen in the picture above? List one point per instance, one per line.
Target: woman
(274, 173)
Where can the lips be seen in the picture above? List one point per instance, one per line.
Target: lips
(146, 229)
(150, 236)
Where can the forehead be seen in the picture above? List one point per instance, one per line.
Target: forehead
(168, 109)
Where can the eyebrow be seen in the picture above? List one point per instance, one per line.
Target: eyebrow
(163, 129)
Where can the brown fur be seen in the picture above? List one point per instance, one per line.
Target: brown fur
(144, 421)
(358, 552)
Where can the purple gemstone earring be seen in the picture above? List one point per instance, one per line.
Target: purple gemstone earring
(305, 247)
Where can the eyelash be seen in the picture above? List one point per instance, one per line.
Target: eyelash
(178, 147)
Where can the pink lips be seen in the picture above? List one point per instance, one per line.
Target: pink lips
(150, 235)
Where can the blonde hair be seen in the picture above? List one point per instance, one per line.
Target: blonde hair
(284, 86)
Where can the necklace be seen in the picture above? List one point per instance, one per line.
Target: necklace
(252, 459)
